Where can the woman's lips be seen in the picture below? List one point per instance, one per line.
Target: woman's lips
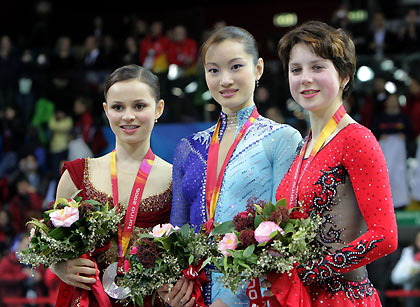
(228, 93)
(130, 129)
(309, 93)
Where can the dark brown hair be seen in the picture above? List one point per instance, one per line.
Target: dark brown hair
(232, 33)
(133, 71)
(328, 43)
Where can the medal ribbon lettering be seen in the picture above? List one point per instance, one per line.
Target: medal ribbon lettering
(133, 204)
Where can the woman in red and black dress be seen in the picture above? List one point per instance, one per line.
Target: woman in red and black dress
(339, 173)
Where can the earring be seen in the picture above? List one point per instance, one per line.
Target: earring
(257, 83)
(155, 120)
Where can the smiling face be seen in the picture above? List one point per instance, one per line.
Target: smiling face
(231, 74)
(314, 81)
(131, 110)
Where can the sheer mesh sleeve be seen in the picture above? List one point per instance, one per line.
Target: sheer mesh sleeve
(180, 207)
(364, 161)
(280, 148)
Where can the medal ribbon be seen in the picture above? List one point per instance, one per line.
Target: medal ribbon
(135, 198)
(325, 133)
(214, 183)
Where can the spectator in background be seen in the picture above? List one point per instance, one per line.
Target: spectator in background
(98, 29)
(25, 282)
(153, 54)
(413, 111)
(6, 230)
(60, 71)
(93, 58)
(182, 50)
(154, 49)
(406, 272)
(408, 35)
(61, 127)
(374, 102)
(9, 68)
(130, 52)
(110, 53)
(25, 203)
(412, 108)
(140, 29)
(83, 119)
(393, 128)
(380, 40)
(12, 133)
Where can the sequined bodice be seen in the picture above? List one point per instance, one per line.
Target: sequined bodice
(149, 204)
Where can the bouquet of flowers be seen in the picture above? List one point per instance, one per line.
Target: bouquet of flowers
(69, 230)
(264, 238)
(163, 256)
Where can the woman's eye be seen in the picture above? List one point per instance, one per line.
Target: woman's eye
(212, 70)
(117, 107)
(236, 66)
(139, 106)
(294, 70)
(318, 67)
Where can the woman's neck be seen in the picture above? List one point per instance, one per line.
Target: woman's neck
(129, 154)
(237, 108)
(320, 119)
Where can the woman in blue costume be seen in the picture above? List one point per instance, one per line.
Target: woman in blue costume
(253, 155)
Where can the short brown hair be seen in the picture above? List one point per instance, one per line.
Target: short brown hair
(328, 43)
(133, 71)
(232, 33)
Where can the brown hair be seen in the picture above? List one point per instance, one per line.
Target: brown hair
(232, 33)
(326, 42)
(133, 71)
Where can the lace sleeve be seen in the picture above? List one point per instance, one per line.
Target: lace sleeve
(180, 207)
(362, 157)
(281, 150)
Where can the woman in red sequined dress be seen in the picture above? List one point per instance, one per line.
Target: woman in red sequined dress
(132, 107)
(339, 172)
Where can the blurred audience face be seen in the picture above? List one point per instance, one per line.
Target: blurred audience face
(90, 43)
(179, 33)
(378, 20)
(156, 28)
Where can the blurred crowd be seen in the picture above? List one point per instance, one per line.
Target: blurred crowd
(51, 106)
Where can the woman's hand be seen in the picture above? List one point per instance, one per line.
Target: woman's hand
(266, 284)
(180, 294)
(74, 271)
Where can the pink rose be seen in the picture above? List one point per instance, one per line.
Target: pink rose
(64, 217)
(229, 241)
(265, 229)
(162, 230)
(32, 233)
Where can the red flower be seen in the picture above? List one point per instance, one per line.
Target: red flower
(279, 216)
(243, 220)
(246, 237)
(147, 253)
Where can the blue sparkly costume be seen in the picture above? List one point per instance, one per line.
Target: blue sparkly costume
(257, 165)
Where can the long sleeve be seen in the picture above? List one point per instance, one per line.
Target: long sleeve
(180, 206)
(362, 158)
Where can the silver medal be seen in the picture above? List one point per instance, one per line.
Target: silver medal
(110, 287)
